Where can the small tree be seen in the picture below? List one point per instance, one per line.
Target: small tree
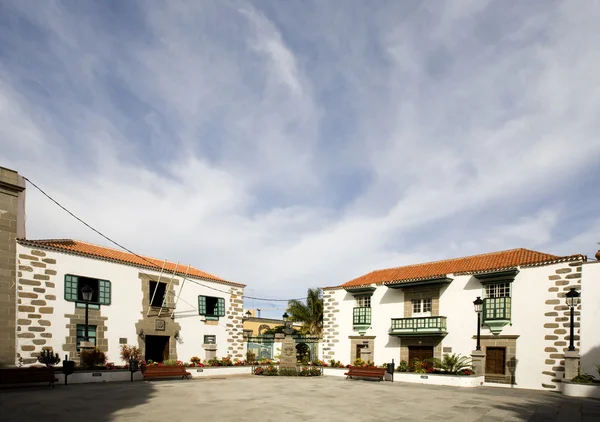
(129, 352)
(48, 358)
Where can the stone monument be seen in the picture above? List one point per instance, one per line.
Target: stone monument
(288, 347)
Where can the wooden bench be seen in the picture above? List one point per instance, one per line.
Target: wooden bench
(154, 371)
(359, 371)
(27, 375)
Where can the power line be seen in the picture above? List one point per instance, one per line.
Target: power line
(140, 256)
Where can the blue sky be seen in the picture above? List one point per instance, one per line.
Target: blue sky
(295, 144)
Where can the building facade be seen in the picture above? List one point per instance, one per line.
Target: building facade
(426, 310)
(168, 310)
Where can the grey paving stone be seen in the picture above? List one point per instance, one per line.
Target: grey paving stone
(291, 399)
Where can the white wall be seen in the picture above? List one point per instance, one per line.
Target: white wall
(126, 305)
(590, 318)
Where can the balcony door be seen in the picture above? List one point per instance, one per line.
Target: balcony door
(420, 352)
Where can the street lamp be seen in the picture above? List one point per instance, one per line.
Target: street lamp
(248, 314)
(286, 317)
(573, 299)
(478, 303)
(86, 293)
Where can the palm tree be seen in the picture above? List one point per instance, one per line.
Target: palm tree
(452, 363)
(309, 314)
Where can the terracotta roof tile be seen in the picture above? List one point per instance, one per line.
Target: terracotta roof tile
(469, 264)
(78, 247)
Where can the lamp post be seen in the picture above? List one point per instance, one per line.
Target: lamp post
(573, 299)
(86, 293)
(478, 303)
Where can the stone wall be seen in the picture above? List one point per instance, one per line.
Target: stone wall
(36, 301)
(557, 322)
(234, 323)
(11, 218)
(149, 315)
(330, 326)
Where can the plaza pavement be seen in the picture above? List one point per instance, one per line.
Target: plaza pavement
(265, 399)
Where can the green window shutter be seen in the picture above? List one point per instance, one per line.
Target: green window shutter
(104, 292)
(202, 305)
(71, 282)
(220, 307)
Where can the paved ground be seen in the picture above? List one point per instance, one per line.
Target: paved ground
(287, 399)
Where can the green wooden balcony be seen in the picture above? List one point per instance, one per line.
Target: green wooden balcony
(496, 313)
(435, 325)
(361, 319)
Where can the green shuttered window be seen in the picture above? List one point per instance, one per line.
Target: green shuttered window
(101, 290)
(211, 307)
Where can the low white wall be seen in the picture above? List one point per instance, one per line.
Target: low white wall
(573, 389)
(334, 372)
(438, 379)
(218, 371)
(83, 377)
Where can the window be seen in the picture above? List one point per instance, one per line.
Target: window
(211, 307)
(421, 307)
(81, 334)
(363, 301)
(100, 290)
(157, 294)
(497, 290)
(497, 302)
(210, 339)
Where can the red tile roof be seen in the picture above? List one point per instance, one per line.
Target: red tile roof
(466, 265)
(78, 247)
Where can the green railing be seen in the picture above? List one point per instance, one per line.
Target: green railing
(496, 308)
(362, 316)
(419, 325)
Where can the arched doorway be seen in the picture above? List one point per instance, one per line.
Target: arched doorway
(303, 354)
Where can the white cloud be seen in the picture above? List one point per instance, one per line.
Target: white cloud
(213, 134)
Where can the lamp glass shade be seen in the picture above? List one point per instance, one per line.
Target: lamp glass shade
(86, 293)
(248, 314)
(285, 317)
(573, 297)
(478, 304)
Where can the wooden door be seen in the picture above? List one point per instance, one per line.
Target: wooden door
(420, 352)
(495, 360)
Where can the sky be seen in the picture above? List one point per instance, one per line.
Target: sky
(297, 144)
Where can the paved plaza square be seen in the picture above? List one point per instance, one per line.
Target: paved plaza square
(288, 399)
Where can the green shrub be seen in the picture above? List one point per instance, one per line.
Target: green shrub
(195, 360)
(250, 357)
(403, 366)
(288, 372)
(418, 366)
(271, 371)
(93, 358)
(170, 362)
(583, 379)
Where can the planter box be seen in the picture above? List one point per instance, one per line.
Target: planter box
(574, 389)
(218, 371)
(82, 377)
(440, 379)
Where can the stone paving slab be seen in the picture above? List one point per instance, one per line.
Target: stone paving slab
(287, 399)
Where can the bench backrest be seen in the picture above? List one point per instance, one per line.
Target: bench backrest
(368, 370)
(8, 375)
(153, 369)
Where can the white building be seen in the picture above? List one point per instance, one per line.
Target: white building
(426, 310)
(175, 313)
